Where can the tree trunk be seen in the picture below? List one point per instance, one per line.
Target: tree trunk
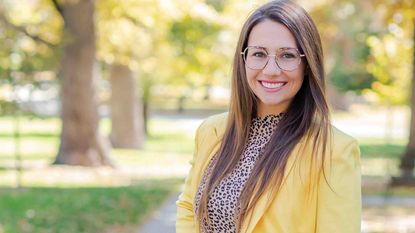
(126, 109)
(408, 159)
(145, 116)
(146, 84)
(81, 143)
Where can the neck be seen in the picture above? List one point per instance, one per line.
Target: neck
(265, 110)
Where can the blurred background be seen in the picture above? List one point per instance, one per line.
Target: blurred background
(99, 102)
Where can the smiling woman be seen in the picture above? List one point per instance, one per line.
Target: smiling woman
(274, 163)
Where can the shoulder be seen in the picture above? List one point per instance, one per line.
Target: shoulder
(338, 145)
(216, 120)
(213, 126)
(344, 147)
(208, 136)
(340, 139)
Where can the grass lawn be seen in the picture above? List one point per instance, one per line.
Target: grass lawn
(78, 199)
(69, 210)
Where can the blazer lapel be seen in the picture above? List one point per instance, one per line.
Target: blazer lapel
(218, 131)
(265, 201)
(255, 215)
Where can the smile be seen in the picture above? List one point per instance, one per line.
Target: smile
(272, 85)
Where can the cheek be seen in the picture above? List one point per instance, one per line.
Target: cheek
(298, 83)
(298, 77)
(251, 74)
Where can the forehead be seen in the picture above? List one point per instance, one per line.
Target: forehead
(271, 35)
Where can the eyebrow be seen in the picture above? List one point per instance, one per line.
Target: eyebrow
(261, 47)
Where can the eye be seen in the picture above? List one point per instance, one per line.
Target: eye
(259, 54)
(288, 55)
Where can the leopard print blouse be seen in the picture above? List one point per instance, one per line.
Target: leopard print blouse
(222, 203)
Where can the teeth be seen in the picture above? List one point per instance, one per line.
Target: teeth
(272, 85)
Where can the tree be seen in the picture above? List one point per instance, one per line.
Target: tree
(81, 143)
(407, 162)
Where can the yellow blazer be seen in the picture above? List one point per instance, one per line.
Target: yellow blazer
(333, 208)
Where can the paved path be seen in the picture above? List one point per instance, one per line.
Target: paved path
(381, 201)
(163, 219)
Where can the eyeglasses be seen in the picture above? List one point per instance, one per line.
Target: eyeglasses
(257, 58)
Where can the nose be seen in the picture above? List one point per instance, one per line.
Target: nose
(271, 68)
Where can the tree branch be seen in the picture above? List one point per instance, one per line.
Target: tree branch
(134, 20)
(23, 30)
(58, 7)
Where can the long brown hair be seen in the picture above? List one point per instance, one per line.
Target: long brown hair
(306, 117)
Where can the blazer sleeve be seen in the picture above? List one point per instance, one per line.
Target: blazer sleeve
(339, 203)
(185, 222)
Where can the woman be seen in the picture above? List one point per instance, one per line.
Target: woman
(274, 163)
